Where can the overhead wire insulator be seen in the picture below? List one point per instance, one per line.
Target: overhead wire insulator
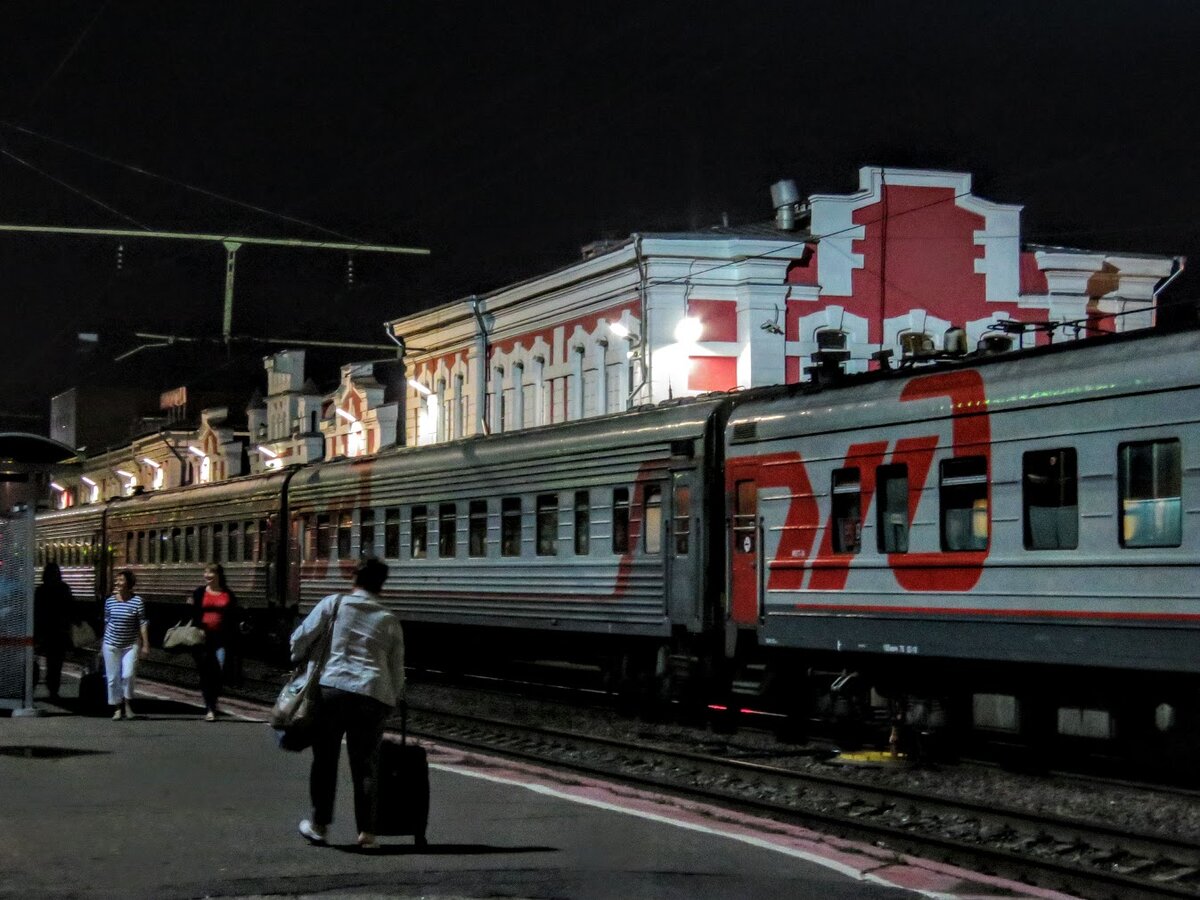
(350, 271)
(120, 256)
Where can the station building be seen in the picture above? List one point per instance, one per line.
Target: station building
(896, 265)
(908, 265)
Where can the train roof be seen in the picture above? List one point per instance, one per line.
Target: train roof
(1043, 376)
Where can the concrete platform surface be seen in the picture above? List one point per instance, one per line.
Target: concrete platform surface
(169, 806)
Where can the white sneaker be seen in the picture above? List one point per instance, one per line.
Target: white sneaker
(311, 832)
(129, 713)
(118, 714)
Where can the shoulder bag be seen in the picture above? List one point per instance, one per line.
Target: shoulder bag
(183, 636)
(295, 710)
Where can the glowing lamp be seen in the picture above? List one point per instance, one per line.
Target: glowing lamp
(418, 387)
(266, 451)
(349, 417)
(688, 330)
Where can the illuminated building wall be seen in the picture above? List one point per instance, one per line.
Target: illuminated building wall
(896, 264)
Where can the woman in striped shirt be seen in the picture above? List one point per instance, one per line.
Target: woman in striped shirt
(126, 637)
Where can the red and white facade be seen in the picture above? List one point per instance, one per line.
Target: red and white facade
(359, 420)
(908, 256)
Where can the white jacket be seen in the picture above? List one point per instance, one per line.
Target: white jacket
(367, 653)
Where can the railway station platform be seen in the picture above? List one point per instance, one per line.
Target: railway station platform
(170, 806)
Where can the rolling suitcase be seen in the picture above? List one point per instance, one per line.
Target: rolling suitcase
(93, 690)
(403, 806)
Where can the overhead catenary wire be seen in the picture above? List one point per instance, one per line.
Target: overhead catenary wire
(139, 170)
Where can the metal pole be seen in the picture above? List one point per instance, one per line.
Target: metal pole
(231, 249)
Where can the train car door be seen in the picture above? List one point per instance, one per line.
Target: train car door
(295, 555)
(745, 540)
(682, 552)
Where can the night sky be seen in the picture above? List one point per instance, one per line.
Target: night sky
(503, 136)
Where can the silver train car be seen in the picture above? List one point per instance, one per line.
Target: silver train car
(1009, 544)
(593, 535)
(1016, 543)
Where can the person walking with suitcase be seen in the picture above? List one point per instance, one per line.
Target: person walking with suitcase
(214, 609)
(126, 637)
(362, 681)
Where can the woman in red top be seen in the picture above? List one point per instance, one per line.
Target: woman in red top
(215, 610)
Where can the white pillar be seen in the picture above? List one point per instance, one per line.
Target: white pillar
(518, 382)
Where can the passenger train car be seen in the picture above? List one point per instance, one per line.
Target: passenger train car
(1008, 543)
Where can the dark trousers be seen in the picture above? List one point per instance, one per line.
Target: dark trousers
(210, 662)
(360, 719)
(54, 663)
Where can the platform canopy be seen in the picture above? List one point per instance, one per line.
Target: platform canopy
(33, 449)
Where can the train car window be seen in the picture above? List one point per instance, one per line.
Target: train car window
(845, 501)
(1150, 476)
(324, 544)
(547, 525)
(652, 519)
(204, 543)
(448, 530)
(682, 517)
(176, 545)
(477, 516)
(963, 495)
(233, 542)
(141, 547)
(510, 526)
(391, 532)
(345, 528)
(583, 523)
(189, 544)
(891, 508)
(41, 555)
(218, 543)
(419, 538)
(366, 532)
(745, 517)
(151, 546)
(620, 520)
(249, 541)
(1050, 496)
(266, 539)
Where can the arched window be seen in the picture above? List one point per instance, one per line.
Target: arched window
(831, 339)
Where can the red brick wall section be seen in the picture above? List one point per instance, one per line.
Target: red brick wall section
(919, 251)
(712, 373)
(719, 318)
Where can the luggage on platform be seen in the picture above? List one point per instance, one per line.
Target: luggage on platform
(403, 806)
(93, 690)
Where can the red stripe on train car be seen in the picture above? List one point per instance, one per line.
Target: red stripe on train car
(1024, 613)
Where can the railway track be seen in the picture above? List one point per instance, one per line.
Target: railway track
(1086, 858)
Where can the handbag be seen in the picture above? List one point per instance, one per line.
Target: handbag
(182, 636)
(82, 635)
(295, 709)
